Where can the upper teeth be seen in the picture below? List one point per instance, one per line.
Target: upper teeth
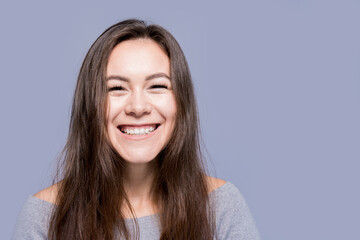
(138, 131)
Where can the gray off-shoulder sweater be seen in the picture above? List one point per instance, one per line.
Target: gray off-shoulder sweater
(233, 218)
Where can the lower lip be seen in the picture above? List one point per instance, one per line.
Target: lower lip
(139, 137)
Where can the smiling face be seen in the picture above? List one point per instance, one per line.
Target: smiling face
(141, 107)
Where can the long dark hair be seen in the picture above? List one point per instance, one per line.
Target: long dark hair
(91, 190)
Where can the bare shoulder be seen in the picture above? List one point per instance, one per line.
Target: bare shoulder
(48, 194)
(214, 183)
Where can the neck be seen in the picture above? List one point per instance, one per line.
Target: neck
(138, 186)
(138, 180)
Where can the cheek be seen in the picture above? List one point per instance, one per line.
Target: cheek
(169, 109)
(108, 108)
(113, 109)
(171, 112)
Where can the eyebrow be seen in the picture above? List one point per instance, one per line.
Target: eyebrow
(150, 77)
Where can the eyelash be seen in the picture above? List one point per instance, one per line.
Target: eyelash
(115, 88)
(119, 88)
(159, 85)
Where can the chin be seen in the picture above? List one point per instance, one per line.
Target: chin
(138, 157)
(138, 161)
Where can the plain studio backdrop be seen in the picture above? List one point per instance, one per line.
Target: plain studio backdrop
(278, 89)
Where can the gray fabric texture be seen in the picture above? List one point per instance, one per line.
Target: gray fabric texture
(233, 218)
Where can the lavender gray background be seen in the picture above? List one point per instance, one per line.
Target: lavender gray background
(278, 88)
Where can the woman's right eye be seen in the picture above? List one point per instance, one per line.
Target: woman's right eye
(115, 88)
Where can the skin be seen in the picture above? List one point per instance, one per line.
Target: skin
(135, 69)
(139, 101)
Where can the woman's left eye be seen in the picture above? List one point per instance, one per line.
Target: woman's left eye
(159, 86)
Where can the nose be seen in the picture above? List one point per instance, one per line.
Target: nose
(137, 104)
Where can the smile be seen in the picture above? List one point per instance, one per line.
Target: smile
(138, 130)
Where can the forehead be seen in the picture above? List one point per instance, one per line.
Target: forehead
(138, 56)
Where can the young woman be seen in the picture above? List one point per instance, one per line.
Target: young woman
(132, 164)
